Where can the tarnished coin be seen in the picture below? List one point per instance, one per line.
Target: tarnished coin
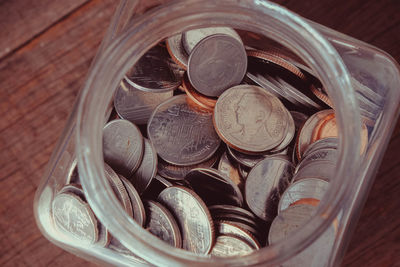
(139, 214)
(227, 228)
(265, 184)
(303, 189)
(174, 172)
(191, 38)
(244, 171)
(225, 166)
(73, 217)
(193, 218)
(143, 77)
(162, 224)
(182, 135)
(147, 169)
(214, 187)
(228, 245)
(217, 63)
(245, 159)
(135, 105)
(250, 119)
(122, 146)
(176, 50)
(119, 189)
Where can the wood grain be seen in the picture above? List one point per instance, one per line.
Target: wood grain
(43, 64)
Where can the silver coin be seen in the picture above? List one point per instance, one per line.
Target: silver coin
(193, 218)
(289, 136)
(162, 224)
(323, 169)
(226, 167)
(122, 146)
(75, 189)
(227, 228)
(116, 246)
(139, 214)
(248, 118)
(143, 76)
(176, 50)
(147, 169)
(305, 188)
(119, 189)
(181, 134)
(233, 210)
(74, 218)
(135, 105)
(298, 118)
(244, 172)
(328, 154)
(174, 172)
(223, 66)
(265, 184)
(214, 187)
(245, 159)
(227, 246)
(288, 221)
(325, 143)
(73, 174)
(191, 38)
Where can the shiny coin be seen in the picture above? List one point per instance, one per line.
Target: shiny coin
(143, 77)
(73, 174)
(182, 135)
(147, 169)
(135, 105)
(139, 214)
(233, 210)
(176, 50)
(193, 218)
(191, 38)
(119, 189)
(116, 246)
(174, 172)
(223, 66)
(226, 228)
(289, 136)
(328, 154)
(226, 167)
(244, 171)
(326, 143)
(303, 189)
(75, 189)
(306, 201)
(73, 217)
(214, 187)
(250, 119)
(241, 221)
(245, 159)
(227, 246)
(323, 169)
(162, 224)
(122, 146)
(265, 184)
(202, 101)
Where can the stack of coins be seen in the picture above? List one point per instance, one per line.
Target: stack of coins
(218, 147)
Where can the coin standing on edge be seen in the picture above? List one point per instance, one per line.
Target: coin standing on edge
(228, 245)
(182, 135)
(193, 218)
(176, 50)
(226, 228)
(162, 224)
(139, 214)
(122, 146)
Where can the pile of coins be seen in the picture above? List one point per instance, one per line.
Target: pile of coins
(215, 146)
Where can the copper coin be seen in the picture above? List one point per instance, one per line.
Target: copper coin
(176, 50)
(162, 224)
(139, 214)
(193, 218)
(265, 184)
(228, 245)
(122, 146)
(182, 135)
(248, 118)
(135, 105)
(306, 201)
(227, 228)
(223, 66)
(201, 100)
(226, 167)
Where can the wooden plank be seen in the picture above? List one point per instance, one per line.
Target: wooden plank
(22, 20)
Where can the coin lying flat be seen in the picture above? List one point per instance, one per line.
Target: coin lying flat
(193, 218)
(147, 169)
(217, 63)
(302, 189)
(191, 38)
(73, 217)
(265, 184)
(143, 77)
(162, 224)
(226, 228)
(228, 245)
(250, 119)
(139, 214)
(176, 50)
(122, 146)
(135, 105)
(182, 135)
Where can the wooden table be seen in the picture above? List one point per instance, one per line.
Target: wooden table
(46, 47)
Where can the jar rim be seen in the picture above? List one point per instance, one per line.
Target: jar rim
(261, 16)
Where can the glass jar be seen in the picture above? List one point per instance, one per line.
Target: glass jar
(336, 59)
